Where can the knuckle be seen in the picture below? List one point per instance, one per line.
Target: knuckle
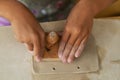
(67, 29)
(62, 43)
(23, 39)
(75, 48)
(65, 56)
(69, 46)
(76, 31)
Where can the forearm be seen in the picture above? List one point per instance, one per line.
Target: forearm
(13, 10)
(97, 6)
(101, 5)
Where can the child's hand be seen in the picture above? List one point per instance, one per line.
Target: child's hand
(28, 31)
(26, 27)
(76, 32)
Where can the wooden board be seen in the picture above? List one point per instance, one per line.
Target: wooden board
(88, 62)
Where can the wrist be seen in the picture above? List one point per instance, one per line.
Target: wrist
(97, 6)
(87, 7)
(14, 11)
(7, 11)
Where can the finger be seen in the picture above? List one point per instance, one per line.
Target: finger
(60, 33)
(68, 47)
(71, 58)
(30, 47)
(42, 45)
(81, 47)
(63, 43)
(74, 49)
(36, 49)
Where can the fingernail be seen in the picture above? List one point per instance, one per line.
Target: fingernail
(37, 59)
(60, 56)
(31, 52)
(81, 49)
(64, 60)
(76, 55)
(69, 61)
(25, 44)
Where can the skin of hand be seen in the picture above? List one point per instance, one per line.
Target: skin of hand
(28, 31)
(26, 28)
(78, 28)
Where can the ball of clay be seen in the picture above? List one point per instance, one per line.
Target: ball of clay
(52, 38)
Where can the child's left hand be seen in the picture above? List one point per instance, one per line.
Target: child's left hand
(76, 32)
